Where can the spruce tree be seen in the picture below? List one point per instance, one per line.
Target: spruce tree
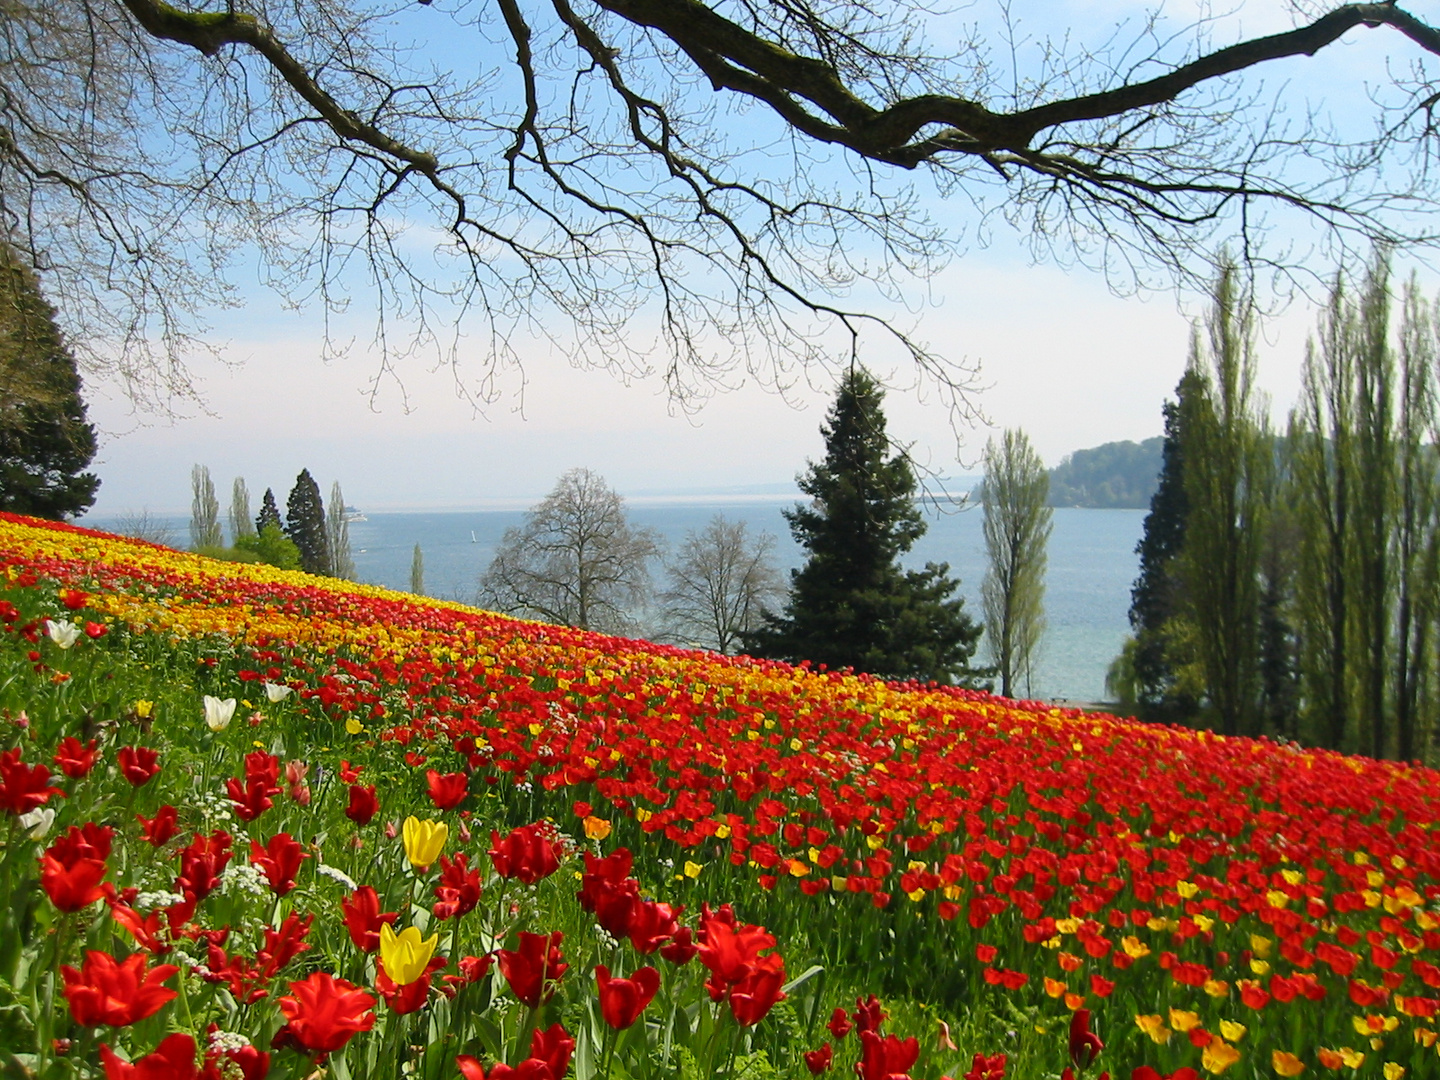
(1159, 651)
(45, 441)
(269, 512)
(305, 524)
(852, 605)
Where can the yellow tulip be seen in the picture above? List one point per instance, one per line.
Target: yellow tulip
(1394, 1071)
(1232, 1031)
(1285, 1063)
(1218, 1056)
(404, 956)
(596, 828)
(1183, 1019)
(1152, 1025)
(423, 841)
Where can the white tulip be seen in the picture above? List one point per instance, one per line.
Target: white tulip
(218, 714)
(38, 821)
(275, 692)
(63, 634)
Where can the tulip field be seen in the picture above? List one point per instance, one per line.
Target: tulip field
(255, 823)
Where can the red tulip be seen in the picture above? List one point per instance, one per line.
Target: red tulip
(74, 758)
(884, 1057)
(138, 763)
(681, 948)
(161, 828)
(279, 861)
(623, 1000)
(459, 887)
(24, 787)
(117, 994)
(532, 969)
(323, 1013)
(363, 804)
(987, 1068)
(448, 791)
(868, 1016)
(652, 924)
(817, 1061)
(88, 841)
(202, 863)
(554, 1047)
(251, 1062)
(526, 853)
(752, 998)
(173, 1059)
(1085, 1045)
(73, 886)
(283, 945)
(839, 1024)
(363, 918)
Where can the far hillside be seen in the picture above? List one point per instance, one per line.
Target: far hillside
(1117, 475)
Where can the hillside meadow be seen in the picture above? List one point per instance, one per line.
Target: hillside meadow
(259, 823)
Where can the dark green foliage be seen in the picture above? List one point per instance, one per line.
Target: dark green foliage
(1155, 599)
(269, 512)
(270, 545)
(1116, 475)
(45, 441)
(852, 605)
(305, 524)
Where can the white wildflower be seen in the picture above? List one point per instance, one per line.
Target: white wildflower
(334, 873)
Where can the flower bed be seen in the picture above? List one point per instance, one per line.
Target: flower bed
(256, 820)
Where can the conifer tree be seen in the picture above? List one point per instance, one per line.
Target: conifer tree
(852, 605)
(269, 512)
(1158, 654)
(305, 524)
(45, 441)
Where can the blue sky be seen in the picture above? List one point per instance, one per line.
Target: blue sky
(1060, 355)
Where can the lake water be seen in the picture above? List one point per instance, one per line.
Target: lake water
(1091, 567)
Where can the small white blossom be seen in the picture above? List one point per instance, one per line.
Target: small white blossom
(63, 634)
(336, 874)
(244, 878)
(223, 1042)
(158, 900)
(218, 713)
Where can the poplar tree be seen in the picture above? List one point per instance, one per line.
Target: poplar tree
(204, 511)
(305, 524)
(240, 523)
(1417, 547)
(1017, 529)
(417, 572)
(337, 534)
(852, 605)
(1227, 476)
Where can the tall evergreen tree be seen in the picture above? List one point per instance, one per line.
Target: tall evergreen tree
(305, 524)
(45, 441)
(204, 510)
(1017, 530)
(337, 532)
(1158, 653)
(269, 513)
(852, 605)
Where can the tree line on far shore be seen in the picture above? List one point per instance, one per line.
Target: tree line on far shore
(1290, 582)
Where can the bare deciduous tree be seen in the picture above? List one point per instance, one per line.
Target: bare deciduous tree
(577, 559)
(715, 174)
(719, 583)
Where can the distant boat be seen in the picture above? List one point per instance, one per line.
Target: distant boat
(472, 537)
(351, 514)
